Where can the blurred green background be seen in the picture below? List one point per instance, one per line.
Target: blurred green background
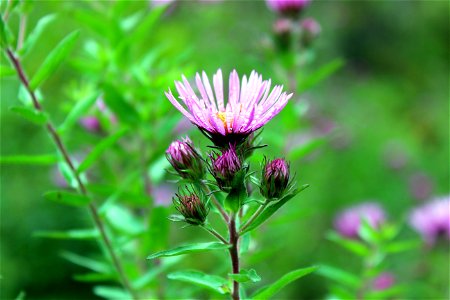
(387, 108)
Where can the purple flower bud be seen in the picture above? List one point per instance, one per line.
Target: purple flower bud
(282, 29)
(349, 221)
(224, 167)
(90, 123)
(310, 31)
(191, 206)
(432, 219)
(185, 159)
(275, 178)
(290, 8)
(383, 281)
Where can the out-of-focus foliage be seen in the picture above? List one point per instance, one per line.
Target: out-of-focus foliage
(376, 129)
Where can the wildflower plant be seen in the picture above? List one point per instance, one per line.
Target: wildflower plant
(365, 232)
(229, 123)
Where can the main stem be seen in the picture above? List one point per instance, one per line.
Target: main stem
(82, 188)
(234, 254)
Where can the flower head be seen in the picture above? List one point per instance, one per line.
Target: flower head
(275, 178)
(90, 123)
(185, 159)
(310, 30)
(432, 219)
(191, 206)
(249, 105)
(349, 221)
(383, 281)
(224, 167)
(288, 7)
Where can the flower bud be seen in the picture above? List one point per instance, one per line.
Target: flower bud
(310, 31)
(191, 206)
(224, 167)
(90, 123)
(185, 159)
(290, 8)
(275, 178)
(282, 30)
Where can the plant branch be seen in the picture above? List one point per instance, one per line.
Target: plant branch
(215, 233)
(234, 254)
(253, 217)
(216, 202)
(82, 189)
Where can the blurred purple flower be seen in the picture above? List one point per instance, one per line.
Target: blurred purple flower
(395, 156)
(160, 2)
(58, 178)
(383, 281)
(310, 30)
(288, 7)
(420, 186)
(90, 123)
(182, 127)
(348, 222)
(432, 219)
(162, 194)
(249, 107)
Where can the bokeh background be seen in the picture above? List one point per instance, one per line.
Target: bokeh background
(376, 129)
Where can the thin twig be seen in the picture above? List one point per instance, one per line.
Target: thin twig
(253, 217)
(216, 202)
(82, 189)
(215, 233)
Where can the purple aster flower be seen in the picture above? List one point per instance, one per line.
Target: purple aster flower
(432, 219)
(90, 123)
(348, 222)
(249, 105)
(225, 166)
(275, 178)
(383, 281)
(185, 160)
(288, 7)
(161, 194)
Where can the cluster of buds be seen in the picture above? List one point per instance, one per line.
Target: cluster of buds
(191, 206)
(289, 25)
(185, 159)
(275, 178)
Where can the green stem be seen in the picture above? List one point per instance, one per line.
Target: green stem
(81, 187)
(234, 254)
(253, 217)
(215, 202)
(215, 233)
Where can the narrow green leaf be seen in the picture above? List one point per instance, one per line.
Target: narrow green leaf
(30, 114)
(123, 220)
(3, 38)
(155, 270)
(402, 246)
(101, 147)
(245, 276)
(351, 245)
(117, 103)
(270, 290)
(320, 74)
(93, 277)
(46, 159)
(89, 263)
(215, 283)
(6, 71)
(272, 208)
(305, 149)
(111, 292)
(369, 234)
(339, 276)
(34, 36)
(80, 108)
(75, 234)
(21, 296)
(54, 59)
(191, 248)
(67, 198)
